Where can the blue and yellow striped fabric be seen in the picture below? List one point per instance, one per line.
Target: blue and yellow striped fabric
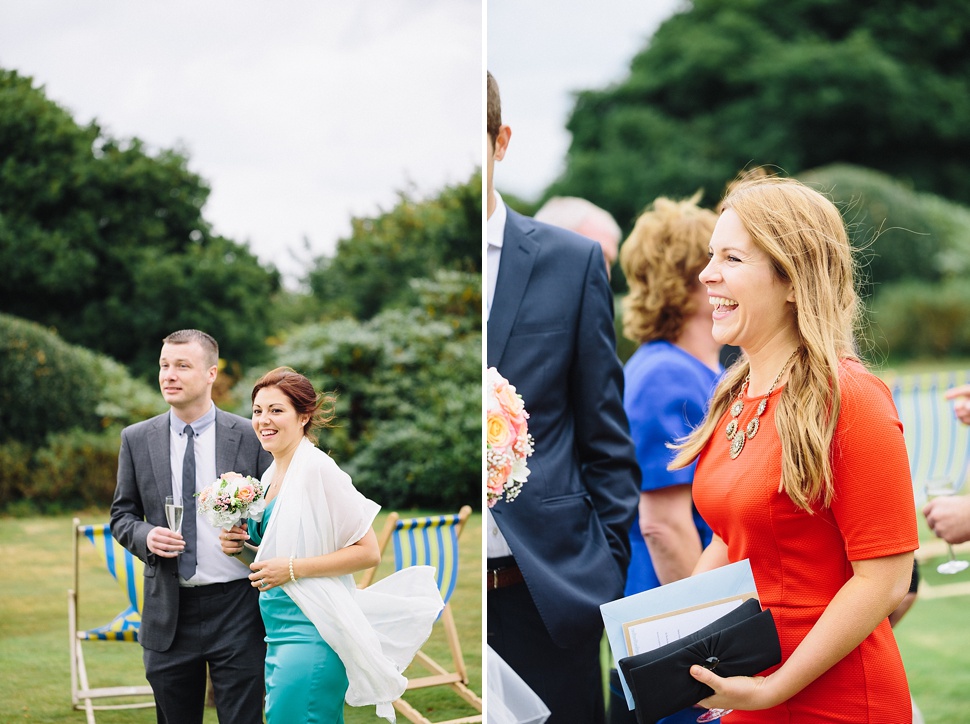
(937, 443)
(431, 541)
(128, 571)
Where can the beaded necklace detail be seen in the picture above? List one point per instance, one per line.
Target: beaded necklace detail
(737, 436)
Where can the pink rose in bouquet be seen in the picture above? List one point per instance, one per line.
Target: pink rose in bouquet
(508, 442)
(232, 498)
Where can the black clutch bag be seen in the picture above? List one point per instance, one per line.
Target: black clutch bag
(743, 642)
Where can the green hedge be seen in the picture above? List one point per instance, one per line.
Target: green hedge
(914, 320)
(48, 386)
(899, 234)
(61, 411)
(409, 394)
(72, 470)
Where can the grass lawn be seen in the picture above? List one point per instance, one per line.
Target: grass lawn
(34, 654)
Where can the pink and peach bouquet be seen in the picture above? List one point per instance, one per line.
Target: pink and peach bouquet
(232, 498)
(508, 442)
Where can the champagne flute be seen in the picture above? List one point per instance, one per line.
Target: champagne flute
(173, 513)
(713, 714)
(937, 489)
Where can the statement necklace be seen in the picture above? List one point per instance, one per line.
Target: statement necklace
(734, 434)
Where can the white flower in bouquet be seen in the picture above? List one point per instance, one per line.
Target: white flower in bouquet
(232, 498)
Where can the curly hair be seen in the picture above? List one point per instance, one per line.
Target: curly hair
(661, 259)
(299, 390)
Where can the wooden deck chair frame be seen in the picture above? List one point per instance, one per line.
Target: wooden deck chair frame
(128, 571)
(421, 541)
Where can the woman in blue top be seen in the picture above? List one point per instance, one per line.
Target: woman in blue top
(327, 642)
(667, 382)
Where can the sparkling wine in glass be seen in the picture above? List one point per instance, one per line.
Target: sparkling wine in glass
(713, 714)
(937, 489)
(173, 513)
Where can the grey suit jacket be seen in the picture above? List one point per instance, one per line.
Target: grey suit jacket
(144, 479)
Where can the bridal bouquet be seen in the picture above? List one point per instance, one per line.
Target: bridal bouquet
(232, 498)
(508, 442)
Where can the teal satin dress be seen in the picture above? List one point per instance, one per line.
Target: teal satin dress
(305, 679)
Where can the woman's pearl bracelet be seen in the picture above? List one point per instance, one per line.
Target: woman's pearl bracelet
(292, 577)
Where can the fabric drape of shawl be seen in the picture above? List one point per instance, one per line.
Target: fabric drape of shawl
(375, 631)
(510, 700)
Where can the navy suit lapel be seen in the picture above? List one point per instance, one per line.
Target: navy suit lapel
(519, 252)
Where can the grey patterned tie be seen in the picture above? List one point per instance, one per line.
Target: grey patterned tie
(187, 560)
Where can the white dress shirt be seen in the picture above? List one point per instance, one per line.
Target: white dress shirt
(496, 545)
(495, 234)
(212, 565)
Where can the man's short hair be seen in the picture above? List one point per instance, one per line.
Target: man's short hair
(208, 343)
(494, 107)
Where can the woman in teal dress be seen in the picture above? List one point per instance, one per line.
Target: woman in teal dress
(296, 654)
(327, 642)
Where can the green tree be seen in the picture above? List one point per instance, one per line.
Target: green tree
(409, 393)
(800, 84)
(898, 234)
(371, 269)
(107, 243)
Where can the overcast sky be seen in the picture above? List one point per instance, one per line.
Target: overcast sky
(299, 115)
(541, 53)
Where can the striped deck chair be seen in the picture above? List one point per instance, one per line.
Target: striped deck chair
(128, 572)
(938, 444)
(431, 541)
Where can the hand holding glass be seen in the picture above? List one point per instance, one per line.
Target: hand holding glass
(936, 489)
(713, 714)
(173, 513)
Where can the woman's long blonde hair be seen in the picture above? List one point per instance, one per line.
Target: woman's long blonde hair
(804, 235)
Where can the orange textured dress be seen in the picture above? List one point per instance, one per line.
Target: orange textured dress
(800, 561)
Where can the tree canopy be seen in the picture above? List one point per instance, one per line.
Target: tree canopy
(371, 269)
(106, 242)
(797, 85)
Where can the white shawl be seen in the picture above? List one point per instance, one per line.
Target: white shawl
(375, 631)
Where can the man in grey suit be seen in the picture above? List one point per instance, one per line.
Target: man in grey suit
(200, 607)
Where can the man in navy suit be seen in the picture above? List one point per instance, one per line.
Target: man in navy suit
(560, 549)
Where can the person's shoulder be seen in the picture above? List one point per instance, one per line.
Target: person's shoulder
(665, 362)
(552, 238)
(231, 419)
(860, 389)
(140, 428)
(854, 376)
(659, 369)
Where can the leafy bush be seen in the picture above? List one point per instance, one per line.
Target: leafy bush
(913, 320)
(72, 470)
(899, 234)
(47, 385)
(409, 394)
(61, 409)
(371, 269)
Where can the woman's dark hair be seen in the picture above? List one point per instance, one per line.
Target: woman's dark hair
(307, 401)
